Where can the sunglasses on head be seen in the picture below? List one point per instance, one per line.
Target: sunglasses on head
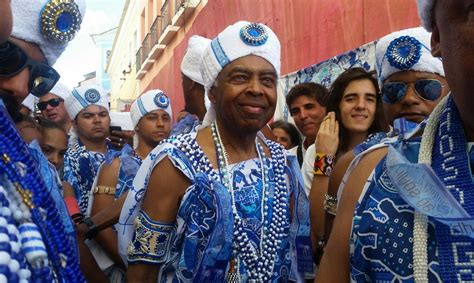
(53, 102)
(428, 89)
(42, 76)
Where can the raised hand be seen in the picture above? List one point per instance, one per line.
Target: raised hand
(327, 139)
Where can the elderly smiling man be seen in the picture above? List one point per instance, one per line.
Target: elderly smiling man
(215, 205)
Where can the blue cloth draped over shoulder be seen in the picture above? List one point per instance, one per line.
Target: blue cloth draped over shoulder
(54, 185)
(129, 164)
(202, 249)
(382, 232)
(80, 168)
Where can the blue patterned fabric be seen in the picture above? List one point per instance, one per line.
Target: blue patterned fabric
(129, 164)
(54, 186)
(80, 169)
(371, 140)
(186, 125)
(202, 248)
(382, 232)
(451, 164)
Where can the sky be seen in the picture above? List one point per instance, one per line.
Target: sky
(81, 56)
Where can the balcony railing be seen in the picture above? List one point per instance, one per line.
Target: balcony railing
(178, 4)
(159, 35)
(165, 15)
(139, 59)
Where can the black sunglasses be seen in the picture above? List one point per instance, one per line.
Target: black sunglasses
(42, 76)
(428, 89)
(54, 102)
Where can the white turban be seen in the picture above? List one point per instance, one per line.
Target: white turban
(150, 101)
(61, 90)
(29, 102)
(425, 10)
(47, 24)
(238, 40)
(405, 50)
(190, 66)
(84, 96)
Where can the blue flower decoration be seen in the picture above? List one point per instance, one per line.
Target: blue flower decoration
(161, 100)
(404, 52)
(60, 21)
(92, 95)
(254, 34)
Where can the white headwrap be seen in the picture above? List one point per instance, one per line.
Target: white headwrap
(238, 40)
(404, 50)
(425, 10)
(47, 24)
(61, 90)
(84, 96)
(151, 100)
(190, 66)
(29, 102)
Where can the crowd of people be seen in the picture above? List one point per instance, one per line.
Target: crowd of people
(372, 183)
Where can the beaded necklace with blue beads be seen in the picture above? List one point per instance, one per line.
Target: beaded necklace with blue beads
(20, 169)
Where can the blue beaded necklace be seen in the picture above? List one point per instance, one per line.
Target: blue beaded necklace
(451, 164)
(20, 168)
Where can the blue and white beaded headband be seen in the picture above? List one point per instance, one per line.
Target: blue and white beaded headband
(60, 20)
(91, 96)
(253, 34)
(160, 100)
(406, 53)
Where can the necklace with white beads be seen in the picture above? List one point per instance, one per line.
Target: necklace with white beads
(420, 229)
(260, 263)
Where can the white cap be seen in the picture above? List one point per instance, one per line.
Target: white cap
(191, 63)
(151, 100)
(48, 24)
(29, 102)
(84, 96)
(61, 90)
(236, 41)
(405, 50)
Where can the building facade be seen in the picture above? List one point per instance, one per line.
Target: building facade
(309, 31)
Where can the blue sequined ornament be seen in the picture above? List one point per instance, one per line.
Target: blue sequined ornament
(161, 100)
(254, 34)
(92, 95)
(404, 52)
(60, 20)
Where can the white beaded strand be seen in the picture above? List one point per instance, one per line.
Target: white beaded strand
(260, 263)
(420, 227)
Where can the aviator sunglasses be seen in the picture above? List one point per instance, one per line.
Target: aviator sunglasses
(427, 89)
(13, 60)
(54, 102)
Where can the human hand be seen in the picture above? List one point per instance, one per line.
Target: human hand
(81, 230)
(327, 139)
(119, 138)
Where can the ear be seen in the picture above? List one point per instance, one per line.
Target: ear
(212, 95)
(435, 42)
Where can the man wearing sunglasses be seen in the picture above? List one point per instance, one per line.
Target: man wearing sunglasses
(52, 106)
